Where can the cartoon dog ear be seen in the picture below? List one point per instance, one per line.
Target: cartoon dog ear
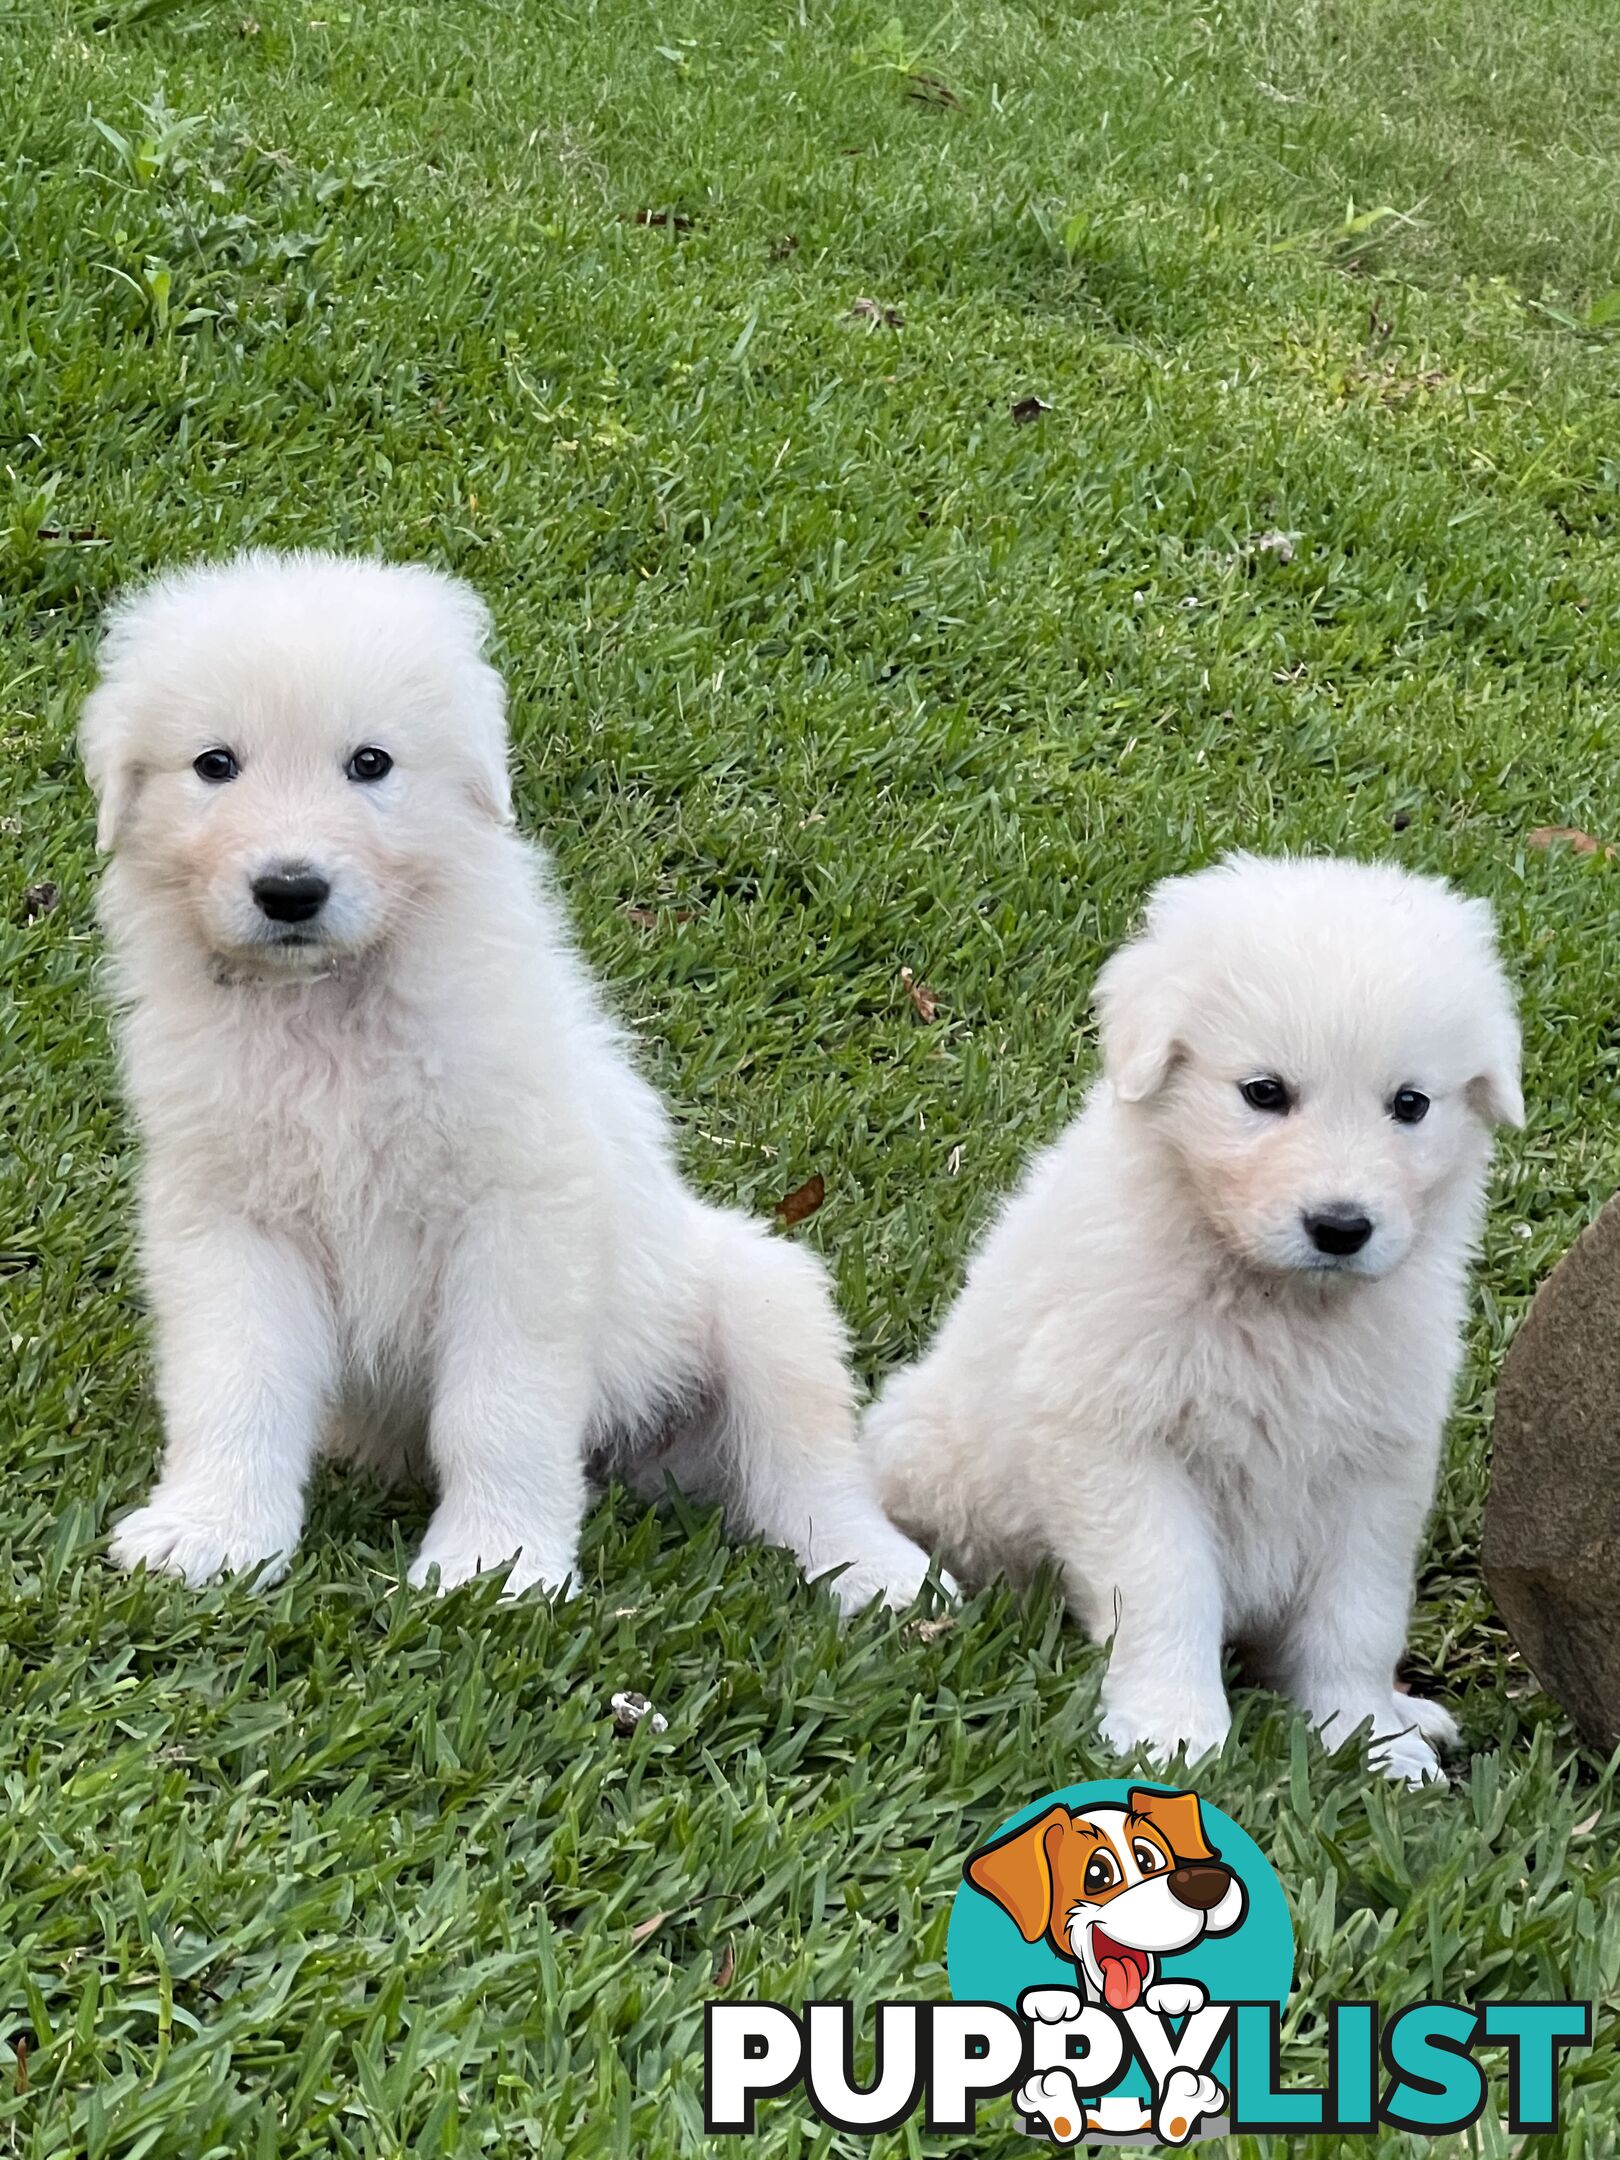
(1138, 1011)
(114, 776)
(1017, 1871)
(1177, 1817)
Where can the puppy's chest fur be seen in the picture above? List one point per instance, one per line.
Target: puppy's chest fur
(1281, 1418)
(334, 1121)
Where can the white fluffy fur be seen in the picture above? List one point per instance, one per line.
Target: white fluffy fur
(405, 1196)
(1152, 1379)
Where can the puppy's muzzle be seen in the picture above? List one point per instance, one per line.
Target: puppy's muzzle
(1200, 1886)
(293, 893)
(1338, 1231)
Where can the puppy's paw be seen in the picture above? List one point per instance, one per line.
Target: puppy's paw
(1160, 1728)
(170, 1536)
(887, 1569)
(1050, 2005)
(1186, 2098)
(1431, 1719)
(1175, 1998)
(1406, 1757)
(460, 1547)
(1053, 2100)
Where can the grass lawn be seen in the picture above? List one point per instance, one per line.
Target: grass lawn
(691, 332)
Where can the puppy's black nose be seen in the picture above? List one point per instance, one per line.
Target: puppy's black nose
(1338, 1230)
(291, 895)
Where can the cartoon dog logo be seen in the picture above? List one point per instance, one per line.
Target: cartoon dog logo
(1116, 1888)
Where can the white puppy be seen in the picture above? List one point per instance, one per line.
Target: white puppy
(405, 1196)
(1204, 1359)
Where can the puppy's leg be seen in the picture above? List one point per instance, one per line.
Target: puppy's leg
(1139, 1564)
(783, 1453)
(245, 1371)
(511, 1403)
(1339, 1656)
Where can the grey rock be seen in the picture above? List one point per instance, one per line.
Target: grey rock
(1552, 1523)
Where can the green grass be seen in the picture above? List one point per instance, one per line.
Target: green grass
(822, 667)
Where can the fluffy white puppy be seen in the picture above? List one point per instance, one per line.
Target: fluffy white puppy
(405, 1196)
(1204, 1358)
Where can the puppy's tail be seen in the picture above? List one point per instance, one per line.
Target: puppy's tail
(784, 1441)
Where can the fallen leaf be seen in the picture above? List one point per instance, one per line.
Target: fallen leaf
(1581, 1829)
(39, 900)
(875, 312)
(21, 2051)
(726, 1967)
(923, 1000)
(643, 1929)
(1582, 843)
(1028, 409)
(804, 1199)
(931, 1630)
(646, 918)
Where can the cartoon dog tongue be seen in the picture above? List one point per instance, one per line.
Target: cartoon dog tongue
(1122, 1981)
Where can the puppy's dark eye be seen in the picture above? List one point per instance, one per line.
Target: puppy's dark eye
(1101, 1874)
(1408, 1107)
(216, 765)
(1267, 1093)
(369, 763)
(1148, 1857)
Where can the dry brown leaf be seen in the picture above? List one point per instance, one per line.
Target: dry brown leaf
(925, 1003)
(931, 1630)
(804, 1199)
(1570, 836)
(646, 918)
(644, 1929)
(726, 1967)
(22, 2064)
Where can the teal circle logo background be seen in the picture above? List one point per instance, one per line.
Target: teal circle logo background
(989, 1961)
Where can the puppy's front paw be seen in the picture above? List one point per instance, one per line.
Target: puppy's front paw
(1433, 1720)
(171, 1536)
(887, 1568)
(1160, 1728)
(1406, 1756)
(460, 1547)
(1187, 2097)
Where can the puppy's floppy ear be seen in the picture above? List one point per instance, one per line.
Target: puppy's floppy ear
(1137, 1007)
(490, 782)
(482, 695)
(1497, 1097)
(114, 774)
(1017, 1871)
(1177, 1817)
(1495, 1093)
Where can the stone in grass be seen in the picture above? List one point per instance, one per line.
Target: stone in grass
(1552, 1522)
